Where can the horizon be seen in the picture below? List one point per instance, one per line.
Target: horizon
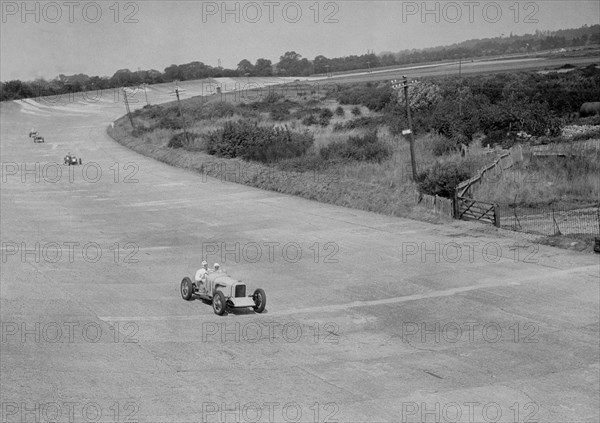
(98, 39)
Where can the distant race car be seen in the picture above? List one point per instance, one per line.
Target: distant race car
(72, 160)
(36, 136)
(223, 292)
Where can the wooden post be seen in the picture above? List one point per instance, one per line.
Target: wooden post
(496, 216)
(456, 204)
(412, 137)
(127, 108)
(181, 115)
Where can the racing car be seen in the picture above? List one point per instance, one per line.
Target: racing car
(223, 292)
(72, 160)
(36, 136)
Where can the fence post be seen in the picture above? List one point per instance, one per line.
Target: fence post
(496, 216)
(556, 227)
(455, 204)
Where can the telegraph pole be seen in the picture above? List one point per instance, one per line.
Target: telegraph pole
(404, 84)
(127, 107)
(177, 90)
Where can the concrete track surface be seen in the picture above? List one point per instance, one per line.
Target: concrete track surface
(369, 318)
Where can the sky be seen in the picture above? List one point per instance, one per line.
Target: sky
(42, 39)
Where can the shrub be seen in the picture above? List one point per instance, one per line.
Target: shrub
(366, 148)
(220, 110)
(280, 113)
(356, 111)
(179, 140)
(170, 121)
(375, 98)
(442, 179)
(441, 145)
(272, 97)
(310, 120)
(339, 111)
(364, 122)
(249, 141)
(325, 117)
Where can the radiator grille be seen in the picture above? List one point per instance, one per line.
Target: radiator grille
(240, 290)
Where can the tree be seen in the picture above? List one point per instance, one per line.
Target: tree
(245, 67)
(288, 63)
(121, 78)
(263, 67)
(321, 64)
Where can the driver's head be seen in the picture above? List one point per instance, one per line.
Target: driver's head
(216, 266)
(204, 264)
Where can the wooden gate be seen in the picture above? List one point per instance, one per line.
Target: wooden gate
(469, 209)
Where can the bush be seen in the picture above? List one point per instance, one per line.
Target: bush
(442, 179)
(442, 145)
(170, 121)
(179, 140)
(325, 117)
(309, 120)
(220, 110)
(375, 98)
(272, 97)
(280, 113)
(249, 141)
(339, 111)
(356, 111)
(366, 148)
(365, 122)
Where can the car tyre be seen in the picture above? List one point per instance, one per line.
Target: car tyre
(260, 299)
(187, 289)
(219, 304)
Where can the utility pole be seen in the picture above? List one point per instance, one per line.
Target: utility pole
(127, 107)
(460, 76)
(177, 90)
(404, 84)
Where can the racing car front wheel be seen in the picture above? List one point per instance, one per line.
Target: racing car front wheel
(186, 289)
(260, 299)
(219, 303)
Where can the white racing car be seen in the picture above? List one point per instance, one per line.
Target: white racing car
(223, 292)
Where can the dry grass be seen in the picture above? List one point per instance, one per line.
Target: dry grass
(567, 180)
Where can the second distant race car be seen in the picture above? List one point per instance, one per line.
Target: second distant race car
(71, 160)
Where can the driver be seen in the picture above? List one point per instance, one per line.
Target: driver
(201, 274)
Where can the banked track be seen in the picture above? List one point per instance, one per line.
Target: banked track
(369, 323)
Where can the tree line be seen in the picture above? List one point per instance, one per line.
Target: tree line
(293, 64)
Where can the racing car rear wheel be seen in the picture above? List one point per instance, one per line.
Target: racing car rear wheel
(186, 289)
(260, 299)
(219, 303)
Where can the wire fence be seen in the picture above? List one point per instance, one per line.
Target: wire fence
(552, 220)
(543, 220)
